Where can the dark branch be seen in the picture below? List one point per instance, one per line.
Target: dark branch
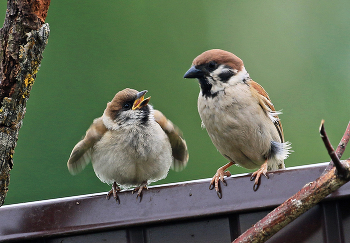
(343, 142)
(340, 149)
(341, 170)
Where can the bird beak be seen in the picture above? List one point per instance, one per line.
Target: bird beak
(140, 100)
(194, 72)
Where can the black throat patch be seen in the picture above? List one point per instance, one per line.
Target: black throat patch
(145, 115)
(206, 88)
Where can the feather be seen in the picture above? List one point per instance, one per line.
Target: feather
(81, 154)
(178, 144)
(266, 104)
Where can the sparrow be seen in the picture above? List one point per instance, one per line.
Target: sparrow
(238, 116)
(130, 145)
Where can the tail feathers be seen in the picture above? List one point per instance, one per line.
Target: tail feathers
(279, 152)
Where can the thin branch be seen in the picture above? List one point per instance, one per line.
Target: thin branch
(343, 142)
(340, 168)
(340, 149)
(306, 198)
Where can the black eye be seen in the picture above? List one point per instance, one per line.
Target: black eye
(127, 106)
(212, 65)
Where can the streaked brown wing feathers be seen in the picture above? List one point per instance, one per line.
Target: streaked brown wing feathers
(266, 104)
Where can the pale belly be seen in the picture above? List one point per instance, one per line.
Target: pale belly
(241, 133)
(132, 159)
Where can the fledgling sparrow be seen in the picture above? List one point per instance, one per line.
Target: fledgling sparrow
(238, 115)
(130, 145)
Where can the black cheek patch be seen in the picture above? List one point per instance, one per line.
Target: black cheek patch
(226, 75)
(145, 115)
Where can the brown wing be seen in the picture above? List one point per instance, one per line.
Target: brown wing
(81, 154)
(266, 104)
(178, 144)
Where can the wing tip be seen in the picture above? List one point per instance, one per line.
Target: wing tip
(76, 165)
(180, 156)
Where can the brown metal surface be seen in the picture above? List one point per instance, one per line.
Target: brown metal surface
(165, 206)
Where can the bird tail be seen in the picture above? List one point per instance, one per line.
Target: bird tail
(279, 152)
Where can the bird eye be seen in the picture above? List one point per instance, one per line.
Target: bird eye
(212, 65)
(126, 105)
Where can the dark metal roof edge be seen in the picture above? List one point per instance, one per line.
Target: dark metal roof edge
(163, 186)
(163, 203)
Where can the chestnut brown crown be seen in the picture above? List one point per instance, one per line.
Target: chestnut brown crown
(220, 57)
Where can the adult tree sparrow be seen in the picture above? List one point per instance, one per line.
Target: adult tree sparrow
(130, 145)
(238, 115)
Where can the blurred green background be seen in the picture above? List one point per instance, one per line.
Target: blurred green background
(299, 51)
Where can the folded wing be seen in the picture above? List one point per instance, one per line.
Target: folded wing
(267, 106)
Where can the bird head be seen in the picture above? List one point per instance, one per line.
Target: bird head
(127, 107)
(216, 69)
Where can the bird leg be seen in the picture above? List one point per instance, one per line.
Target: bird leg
(139, 190)
(257, 174)
(114, 190)
(219, 176)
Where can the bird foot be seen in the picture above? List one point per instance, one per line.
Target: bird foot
(115, 189)
(219, 176)
(139, 190)
(257, 174)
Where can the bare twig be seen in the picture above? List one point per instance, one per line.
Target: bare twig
(340, 168)
(340, 149)
(343, 142)
(306, 198)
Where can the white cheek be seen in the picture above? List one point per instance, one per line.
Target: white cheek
(241, 75)
(109, 123)
(215, 79)
(237, 78)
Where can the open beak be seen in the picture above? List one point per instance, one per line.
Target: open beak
(140, 100)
